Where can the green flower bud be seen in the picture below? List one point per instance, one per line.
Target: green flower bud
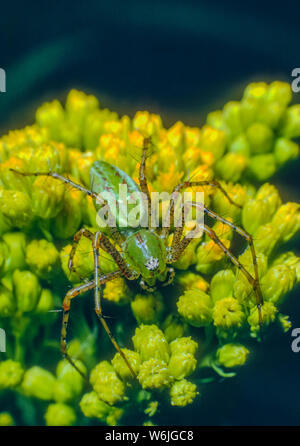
(43, 258)
(183, 345)
(232, 355)
(249, 109)
(154, 374)
(174, 327)
(11, 374)
(260, 138)
(196, 307)
(94, 127)
(256, 91)
(38, 383)
(221, 285)
(51, 115)
(7, 302)
(268, 313)
(62, 392)
(242, 290)
(152, 408)
(265, 238)
(27, 290)
(16, 208)
(239, 194)
(16, 244)
(270, 114)
(287, 220)
(47, 197)
(215, 119)
(183, 393)
(106, 383)
(290, 127)
(278, 281)
(67, 375)
(232, 117)
(83, 261)
(285, 322)
(228, 314)
(262, 167)
(209, 255)
(117, 291)
(240, 146)
(285, 150)
(46, 302)
(181, 364)
(147, 308)
(188, 257)
(189, 280)
(289, 259)
(93, 407)
(60, 415)
(121, 367)
(6, 419)
(150, 342)
(79, 105)
(69, 218)
(260, 210)
(213, 141)
(279, 92)
(231, 166)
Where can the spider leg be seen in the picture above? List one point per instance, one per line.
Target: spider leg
(58, 177)
(184, 185)
(98, 297)
(77, 237)
(178, 248)
(71, 294)
(143, 180)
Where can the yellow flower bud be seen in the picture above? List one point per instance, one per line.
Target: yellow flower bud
(16, 207)
(6, 419)
(232, 355)
(11, 374)
(268, 313)
(181, 364)
(7, 302)
(221, 285)
(27, 290)
(182, 393)
(277, 282)
(47, 197)
(106, 383)
(117, 291)
(287, 220)
(60, 415)
(196, 307)
(38, 383)
(262, 167)
(154, 374)
(43, 258)
(260, 138)
(228, 313)
(150, 342)
(121, 367)
(66, 374)
(46, 302)
(174, 327)
(147, 308)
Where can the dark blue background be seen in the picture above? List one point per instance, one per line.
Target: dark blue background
(181, 59)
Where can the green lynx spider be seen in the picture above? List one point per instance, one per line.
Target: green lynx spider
(143, 253)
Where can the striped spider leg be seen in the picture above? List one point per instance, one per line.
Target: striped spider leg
(107, 246)
(179, 246)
